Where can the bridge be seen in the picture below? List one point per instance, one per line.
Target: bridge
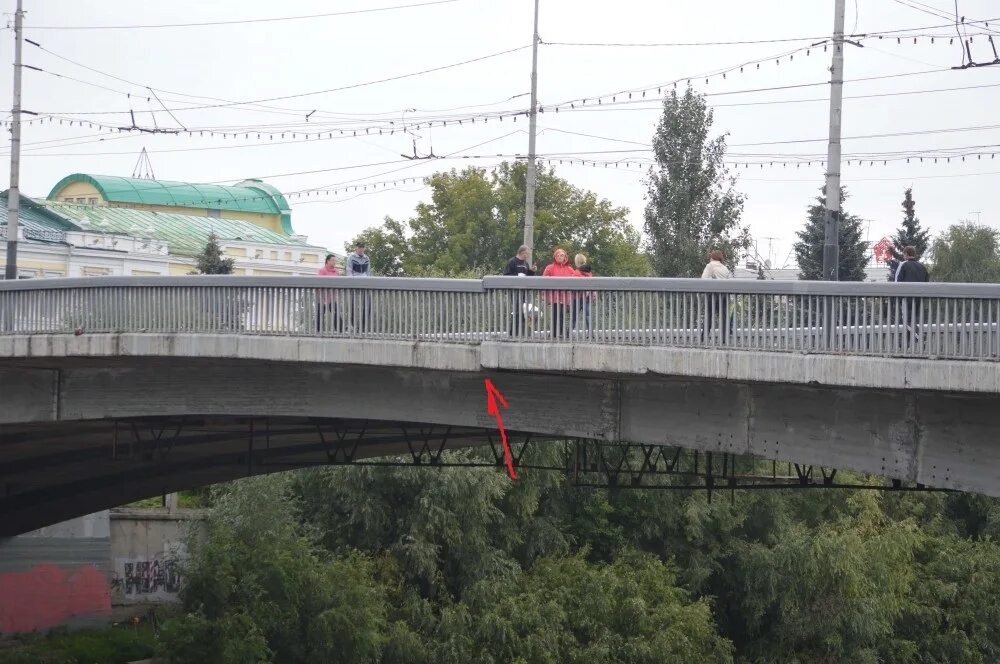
(119, 388)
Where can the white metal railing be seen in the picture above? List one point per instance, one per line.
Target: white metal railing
(899, 320)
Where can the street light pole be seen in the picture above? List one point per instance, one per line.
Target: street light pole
(13, 196)
(532, 175)
(831, 236)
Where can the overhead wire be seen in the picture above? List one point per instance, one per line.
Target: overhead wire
(273, 19)
(249, 107)
(300, 112)
(352, 86)
(779, 40)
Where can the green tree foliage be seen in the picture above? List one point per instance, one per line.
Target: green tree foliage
(257, 590)
(474, 222)
(853, 248)
(692, 206)
(421, 565)
(967, 253)
(566, 609)
(210, 260)
(909, 234)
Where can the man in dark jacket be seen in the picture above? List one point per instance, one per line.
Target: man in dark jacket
(518, 266)
(911, 271)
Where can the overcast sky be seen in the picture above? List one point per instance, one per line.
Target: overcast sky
(276, 59)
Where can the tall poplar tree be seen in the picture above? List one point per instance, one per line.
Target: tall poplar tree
(910, 233)
(692, 206)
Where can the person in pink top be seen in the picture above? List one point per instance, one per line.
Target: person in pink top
(326, 298)
(559, 301)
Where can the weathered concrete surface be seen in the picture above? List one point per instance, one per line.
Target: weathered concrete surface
(730, 365)
(147, 546)
(56, 576)
(902, 419)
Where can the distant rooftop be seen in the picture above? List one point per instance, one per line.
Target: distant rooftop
(247, 196)
(36, 222)
(186, 235)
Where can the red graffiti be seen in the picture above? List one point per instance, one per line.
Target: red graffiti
(492, 395)
(47, 595)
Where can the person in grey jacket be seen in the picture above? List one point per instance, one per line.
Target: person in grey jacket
(358, 265)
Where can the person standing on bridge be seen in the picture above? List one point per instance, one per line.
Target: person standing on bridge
(358, 265)
(518, 266)
(911, 270)
(559, 301)
(717, 303)
(581, 304)
(326, 298)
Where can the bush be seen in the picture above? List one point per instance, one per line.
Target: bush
(113, 645)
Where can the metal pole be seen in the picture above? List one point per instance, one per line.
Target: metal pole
(532, 176)
(13, 196)
(831, 241)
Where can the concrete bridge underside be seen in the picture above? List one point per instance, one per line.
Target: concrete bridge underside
(82, 421)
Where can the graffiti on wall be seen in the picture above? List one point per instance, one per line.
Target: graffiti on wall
(136, 578)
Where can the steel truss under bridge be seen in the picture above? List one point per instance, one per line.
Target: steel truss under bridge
(592, 463)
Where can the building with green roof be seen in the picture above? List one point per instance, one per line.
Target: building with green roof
(251, 201)
(81, 239)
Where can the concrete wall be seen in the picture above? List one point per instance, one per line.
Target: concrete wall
(146, 547)
(57, 575)
(918, 420)
(73, 573)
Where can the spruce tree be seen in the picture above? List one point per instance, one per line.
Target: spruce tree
(909, 234)
(210, 261)
(853, 248)
(692, 205)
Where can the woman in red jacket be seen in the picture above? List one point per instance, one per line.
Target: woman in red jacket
(560, 301)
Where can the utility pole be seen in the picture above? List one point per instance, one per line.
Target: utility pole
(532, 175)
(831, 240)
(13, 196)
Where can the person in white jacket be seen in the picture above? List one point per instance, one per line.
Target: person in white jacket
(718, 303)
(716, 269)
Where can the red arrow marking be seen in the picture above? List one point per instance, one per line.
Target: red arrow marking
(492, 395)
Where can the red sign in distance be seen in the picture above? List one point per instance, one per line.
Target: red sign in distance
(493, 408)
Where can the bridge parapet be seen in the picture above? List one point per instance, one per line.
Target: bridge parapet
(952, 321)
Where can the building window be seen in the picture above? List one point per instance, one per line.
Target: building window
(26, 274)
(81, 200)
(215, 214)
(258, 253)
(92, 201)
(52, 274)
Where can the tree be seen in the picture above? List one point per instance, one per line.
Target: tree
(853, 248)
(909, 234)
(474, 222)
(692, 207)
(210, 260)
(257, 589)
(967, 253)
(387, 246)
